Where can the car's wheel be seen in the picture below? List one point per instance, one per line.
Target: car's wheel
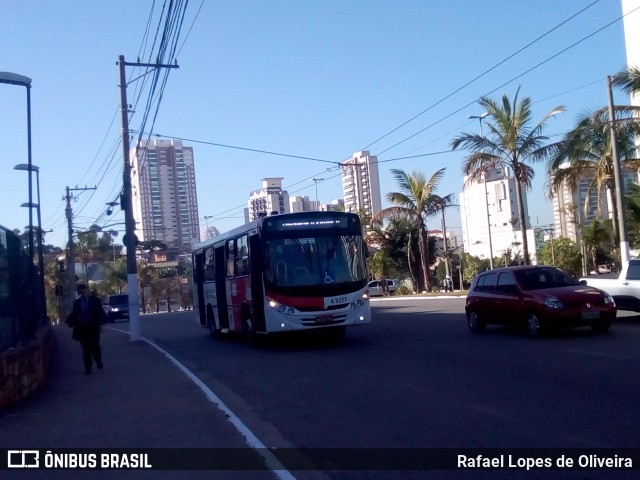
(475, 324)
(534, 325)
(601, 326)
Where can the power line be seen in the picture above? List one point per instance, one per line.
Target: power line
(548, 59)
(481, 75)
(246, 149)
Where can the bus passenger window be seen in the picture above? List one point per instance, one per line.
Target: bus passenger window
(230, 258)
(209, 267)
(242, 256)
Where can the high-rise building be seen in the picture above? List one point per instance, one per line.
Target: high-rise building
(165, 202)
(361, 184)
(269, 200)
(302, 204)
(631, 24)
(571, 211)
(490, 219)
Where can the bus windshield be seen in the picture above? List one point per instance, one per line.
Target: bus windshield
(307, 261)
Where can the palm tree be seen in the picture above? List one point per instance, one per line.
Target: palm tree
(511, 143)
(416, 201)
(632, 199)
(596, 234)
(585, 154)
(627, 80)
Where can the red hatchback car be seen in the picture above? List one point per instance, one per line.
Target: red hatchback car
(538, 297)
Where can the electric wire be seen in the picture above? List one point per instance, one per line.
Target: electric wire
(473, 80)
(539, 64)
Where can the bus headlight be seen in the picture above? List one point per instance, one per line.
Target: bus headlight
(280, 308)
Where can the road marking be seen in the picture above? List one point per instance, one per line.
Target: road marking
(270, 460)
(417, 297)
(598, 354)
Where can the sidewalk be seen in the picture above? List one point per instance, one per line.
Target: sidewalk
(139, 400)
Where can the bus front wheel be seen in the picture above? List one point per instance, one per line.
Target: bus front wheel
(250, 335)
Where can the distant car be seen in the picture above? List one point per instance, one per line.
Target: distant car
(538, 297)
(375, 287)
(117, 307)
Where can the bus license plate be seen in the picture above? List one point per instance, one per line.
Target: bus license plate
(324, 319)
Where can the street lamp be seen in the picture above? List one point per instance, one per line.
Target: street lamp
(20, 80)
(486, 194)
(34, 168)
(206, 222)
(315, 181)
(448, 272)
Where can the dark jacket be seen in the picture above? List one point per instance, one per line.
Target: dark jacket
(96, 315)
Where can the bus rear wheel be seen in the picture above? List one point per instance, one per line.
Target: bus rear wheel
(215, 333)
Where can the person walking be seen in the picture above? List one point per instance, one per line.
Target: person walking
(86, 319)
(448, 282)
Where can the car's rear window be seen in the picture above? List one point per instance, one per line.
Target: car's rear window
(486, 282)
(539, 278)
(118, 299)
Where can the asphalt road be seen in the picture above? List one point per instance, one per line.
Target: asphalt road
(417, 378)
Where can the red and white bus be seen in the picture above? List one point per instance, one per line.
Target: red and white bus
(283, 273)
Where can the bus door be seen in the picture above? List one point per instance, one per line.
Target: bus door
(199, 280)
(256, 247)
(221, 290)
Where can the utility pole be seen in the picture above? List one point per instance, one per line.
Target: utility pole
(130, 239)
(624, 244)
(71, 259)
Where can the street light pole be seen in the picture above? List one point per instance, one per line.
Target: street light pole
(315, 181)
(206, 222)
(486, 193)
(43, 303)
(20, 80)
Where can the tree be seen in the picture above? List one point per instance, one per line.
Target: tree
(632, 199)
(585, 154)
(511, 143)
(416, 201)
(471, 266)
(627, 80)
(116, 278)
(597, 235)
(562, 253)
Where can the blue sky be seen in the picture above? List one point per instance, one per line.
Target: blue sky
(312, 79)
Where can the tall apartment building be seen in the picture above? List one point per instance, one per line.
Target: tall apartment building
(165, 202)
(361, 184)
(569, 213)
(499, 231)
(631, 22)
(268, 200)
(302, 204)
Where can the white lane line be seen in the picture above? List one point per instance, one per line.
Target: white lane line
(270, 460)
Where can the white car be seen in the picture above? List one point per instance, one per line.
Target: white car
(375, 287)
